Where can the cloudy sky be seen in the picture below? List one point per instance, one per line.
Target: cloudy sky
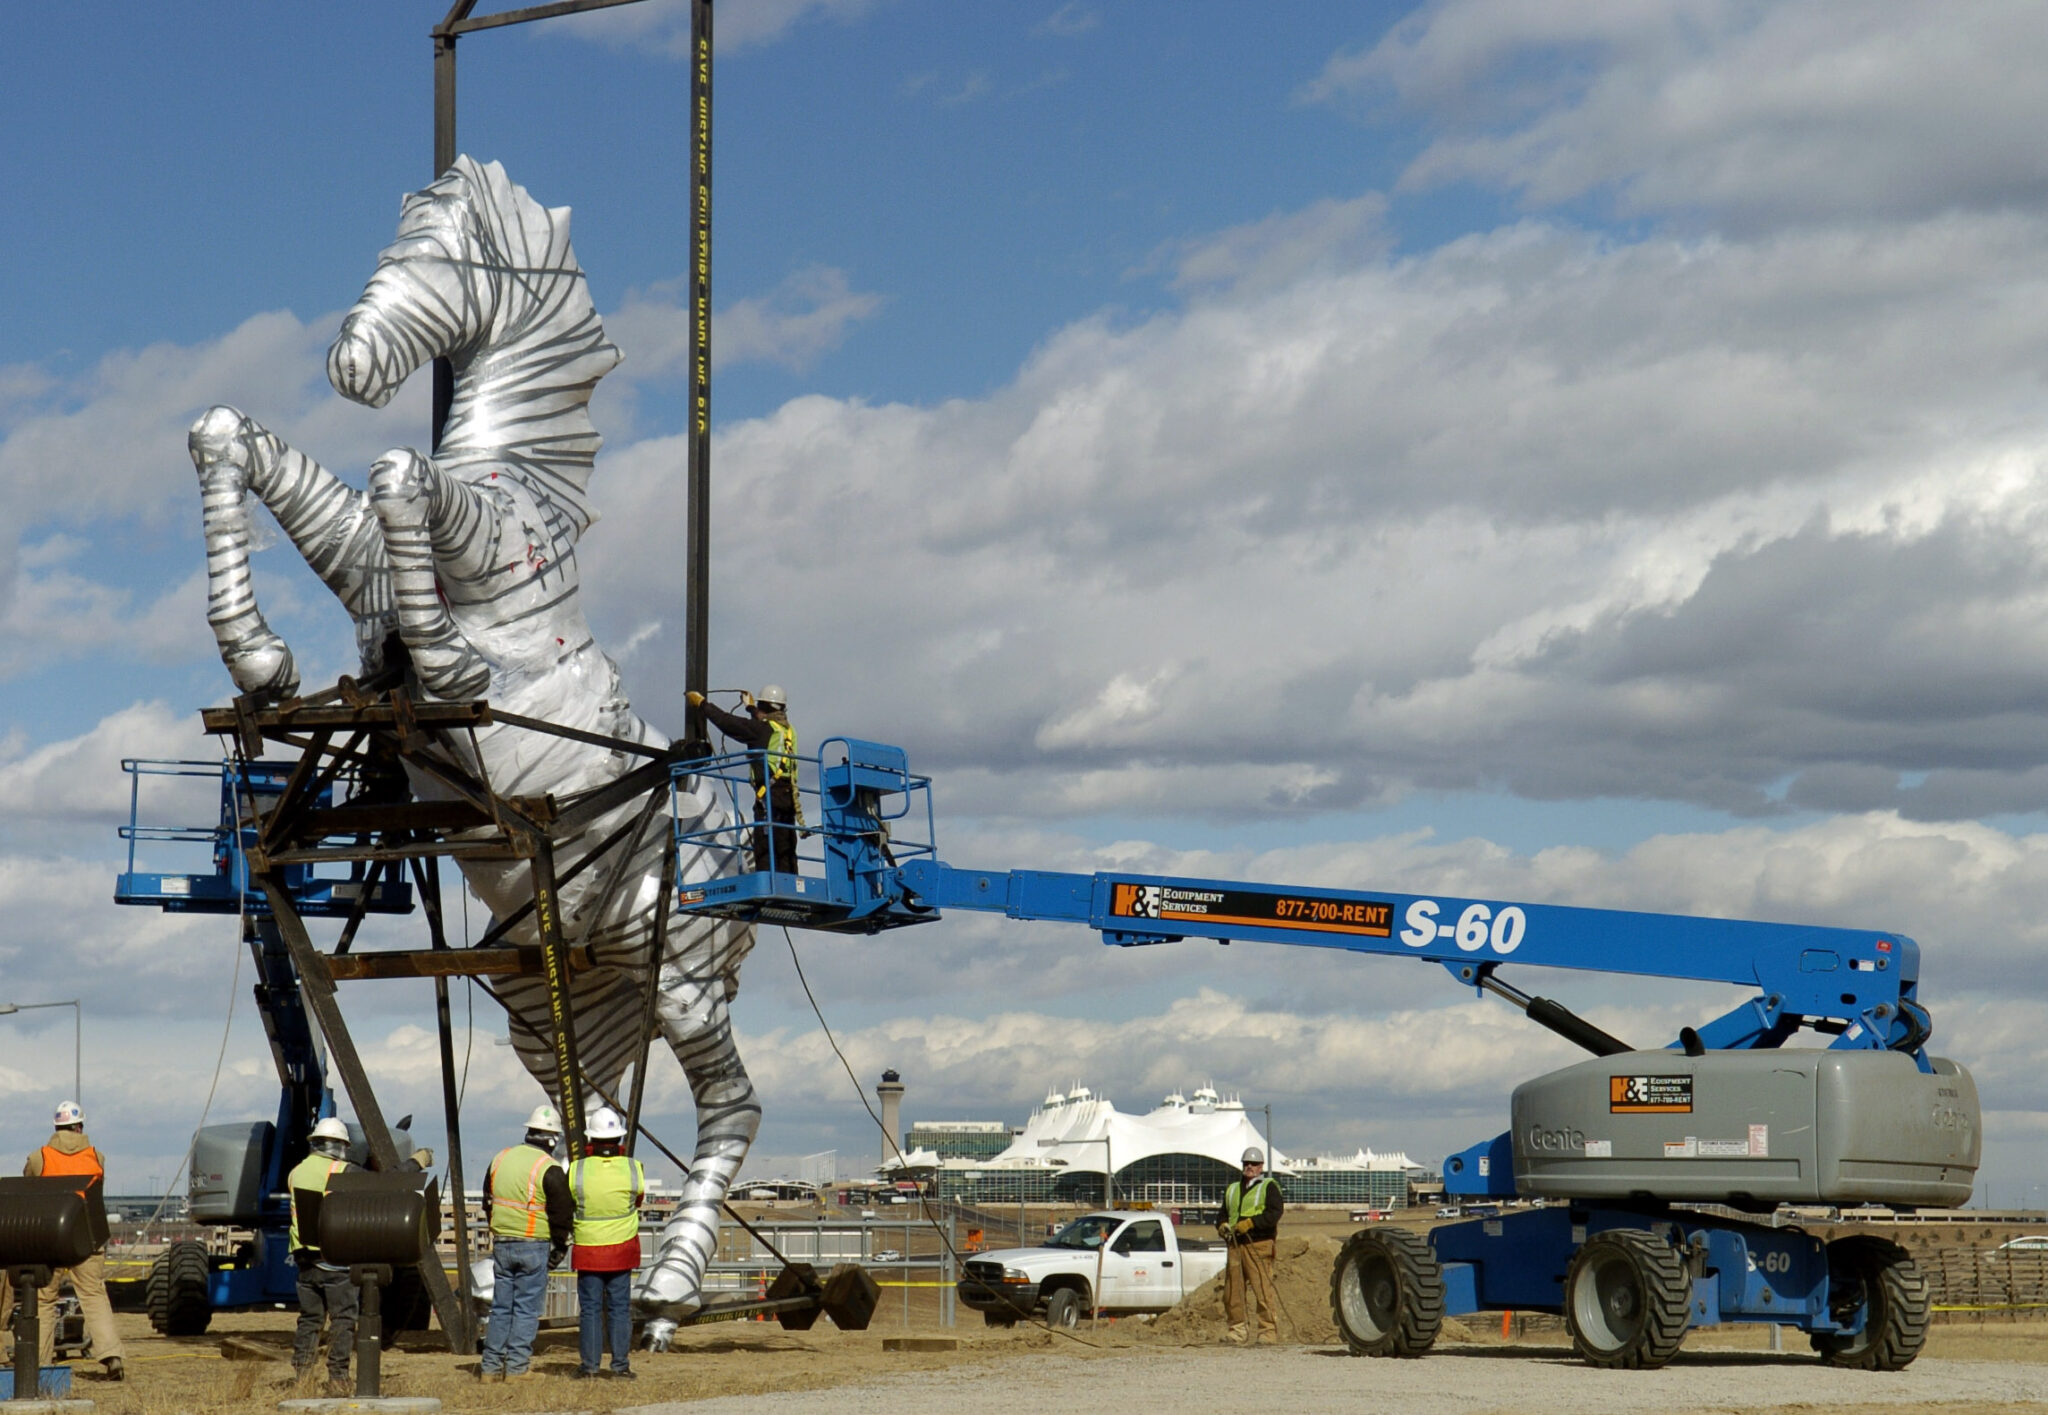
(1587, 453)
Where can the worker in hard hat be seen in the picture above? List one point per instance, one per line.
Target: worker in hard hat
(1249, 1221)
(608, 1186)
(326, 1296)
(532, 1218)
(68, 1153)
(766, 730)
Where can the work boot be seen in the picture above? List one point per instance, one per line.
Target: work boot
(115, 1370)
(491, 1378)
(623, 1373)
(1238, 1332)
(340, 1385)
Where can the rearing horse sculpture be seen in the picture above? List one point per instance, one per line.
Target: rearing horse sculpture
(469, 557)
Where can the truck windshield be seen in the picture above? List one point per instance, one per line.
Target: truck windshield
(1089, 1232)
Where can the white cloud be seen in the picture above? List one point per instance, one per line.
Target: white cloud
(1748, 112)
(809, 314)
(1071, 19)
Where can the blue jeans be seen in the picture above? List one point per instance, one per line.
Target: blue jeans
(519, 1288)
(604, 1305)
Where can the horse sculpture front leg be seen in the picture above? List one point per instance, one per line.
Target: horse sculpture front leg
(327, 520)
(693, 1016)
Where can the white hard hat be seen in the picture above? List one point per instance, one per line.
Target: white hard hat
(330, 1129)
(604, 1124)
(544, 1118)
(1254, 1155)
(68, 1113)
(772, 696)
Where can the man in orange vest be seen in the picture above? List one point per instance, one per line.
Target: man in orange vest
(69, 1153)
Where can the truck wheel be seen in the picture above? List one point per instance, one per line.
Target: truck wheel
(176, 1295)
(1387, 1293)
(1863, 1269)
(1627, 1300)
(1063, 1309)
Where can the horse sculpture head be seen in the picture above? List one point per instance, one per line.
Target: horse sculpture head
(482, 274)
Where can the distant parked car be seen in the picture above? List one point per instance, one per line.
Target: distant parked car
(2032, 1243)
(1448, 1211)
(886, 1255)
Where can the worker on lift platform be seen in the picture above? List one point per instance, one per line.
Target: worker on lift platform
(69, 1152)
(532, 1218)
(766, 730)
(325, 1293)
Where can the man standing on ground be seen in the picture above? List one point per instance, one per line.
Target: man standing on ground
(766, 730)
(608, 1186)
(69, 1154)
(532, 1217)
(1249, 1222)
(325, 1293)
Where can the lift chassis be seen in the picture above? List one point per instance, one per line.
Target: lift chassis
(1644, 1160)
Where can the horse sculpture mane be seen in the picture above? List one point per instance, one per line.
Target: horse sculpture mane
(467, 560)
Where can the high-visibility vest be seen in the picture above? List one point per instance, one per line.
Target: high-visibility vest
(519, 1206)
(312, 1173)
(1238, 1204)
(85, 1161)
(782, 760)
(607, 1190)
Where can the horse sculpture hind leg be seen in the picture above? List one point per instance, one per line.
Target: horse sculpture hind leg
(327, 520)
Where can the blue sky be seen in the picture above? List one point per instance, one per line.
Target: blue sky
(1592, 456)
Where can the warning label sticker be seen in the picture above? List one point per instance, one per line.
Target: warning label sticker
(1371, 917)
(1649, 1095)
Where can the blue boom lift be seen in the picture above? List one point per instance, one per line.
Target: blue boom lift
(238, 1170)
(1646, 1160)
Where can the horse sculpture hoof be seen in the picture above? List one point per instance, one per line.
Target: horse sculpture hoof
(264, 669)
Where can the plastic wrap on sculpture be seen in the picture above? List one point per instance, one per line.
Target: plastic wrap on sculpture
(469, 558)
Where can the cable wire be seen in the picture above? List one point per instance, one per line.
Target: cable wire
(227, 1030)
(924, 1201)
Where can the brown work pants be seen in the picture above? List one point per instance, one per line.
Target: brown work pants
(1251, 1264)
(89, 1281)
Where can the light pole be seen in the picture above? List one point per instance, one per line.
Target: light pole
(8, 1009)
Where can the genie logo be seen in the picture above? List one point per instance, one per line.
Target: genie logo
(1563, 1140)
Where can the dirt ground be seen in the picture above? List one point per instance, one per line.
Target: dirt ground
(1176, 1361)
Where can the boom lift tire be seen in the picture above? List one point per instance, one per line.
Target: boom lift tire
(1063, 1309)
(1863, 1268)
(1387, 1293)
(1627, 1300)
(176, 1295)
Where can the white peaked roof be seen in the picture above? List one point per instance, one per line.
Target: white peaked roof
(1074, 1125)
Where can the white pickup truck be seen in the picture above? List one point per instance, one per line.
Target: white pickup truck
(1119, 1262)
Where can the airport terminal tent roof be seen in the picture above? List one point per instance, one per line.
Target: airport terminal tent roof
(1068, 1131)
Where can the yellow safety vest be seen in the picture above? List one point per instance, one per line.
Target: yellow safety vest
(519, 1206)
(782, 759)
(312, 1173)
(1237, 1204)
(607, 1189)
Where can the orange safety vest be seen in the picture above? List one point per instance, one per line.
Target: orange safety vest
(85, 1161)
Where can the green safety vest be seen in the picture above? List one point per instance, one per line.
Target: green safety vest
(1237, 1204)
(519, 1206)
(312, 1173)
(781, 755)
(607, 1189)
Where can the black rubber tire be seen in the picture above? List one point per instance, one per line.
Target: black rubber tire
(1387, 1293)
(997, 1319)
(1627, 1300)
(1864, 1268)
(1064, 1309)
(179, 1302)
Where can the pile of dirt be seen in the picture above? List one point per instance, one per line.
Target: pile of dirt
(1301, 1277)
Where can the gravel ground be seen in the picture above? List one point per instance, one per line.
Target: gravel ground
(1466, 1381)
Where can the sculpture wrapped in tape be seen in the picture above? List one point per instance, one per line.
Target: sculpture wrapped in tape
(468, 559)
